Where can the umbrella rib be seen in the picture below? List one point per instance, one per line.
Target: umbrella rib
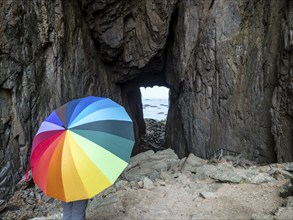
(48, 126)
(55, 136)
(101, 114)
(102, 157)
(55, 170)
(69, 151)
(111, 144)
(51, 134)
(79, 153)
(49, 148)
(85, 104)
(123, 129)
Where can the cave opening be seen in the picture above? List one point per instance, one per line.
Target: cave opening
(160, 71)
(135, 92)
(155, 106)
(155, 102)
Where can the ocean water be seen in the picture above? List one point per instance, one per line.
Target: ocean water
(155, 108)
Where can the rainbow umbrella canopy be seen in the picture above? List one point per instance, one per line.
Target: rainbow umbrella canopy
(81, 148)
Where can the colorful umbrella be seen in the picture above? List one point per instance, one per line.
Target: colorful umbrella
(81, 148)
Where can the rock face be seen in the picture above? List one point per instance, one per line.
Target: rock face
(228, 65)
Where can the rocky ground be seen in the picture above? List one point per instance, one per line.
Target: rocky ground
(161, 186)
(158, 185)
(154, 137)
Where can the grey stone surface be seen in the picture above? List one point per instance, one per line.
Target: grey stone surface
(147, 183)
(289, 167)
(207, 195)
(262, 216)
(290, 201)
(191, 163)
(225, 172)
(150, 164)
(284, 213)
(3, 205)
(122, 185)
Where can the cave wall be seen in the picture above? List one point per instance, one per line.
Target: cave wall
(228, 65)
(228, 59)
(282, 100)
(47, 57)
